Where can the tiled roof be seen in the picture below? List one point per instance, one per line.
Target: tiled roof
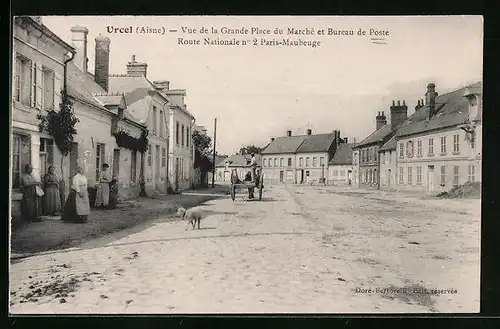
(343, 155)
(284, 145)
(237, 160)
(389, 145)
(376, 136)
(316, 143)
(109, 99)
(220, 160)
(452, 109)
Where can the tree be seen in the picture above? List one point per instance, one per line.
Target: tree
(249, 149)
(61, 126)
(202, 153)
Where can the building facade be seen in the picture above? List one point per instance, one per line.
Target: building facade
(148, 105)
(438, 148)
(341, 168)
(238, 162)
(388, 164)
(301, 159)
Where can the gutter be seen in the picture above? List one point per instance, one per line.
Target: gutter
(65, 82)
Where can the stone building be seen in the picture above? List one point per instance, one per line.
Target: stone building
(299, 159)
(240, 162)
(340, 168)
(368, 149)
(39, 57)
(439, 147)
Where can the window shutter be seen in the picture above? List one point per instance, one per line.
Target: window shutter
(39, 86)
(57, 91)
(33, 84)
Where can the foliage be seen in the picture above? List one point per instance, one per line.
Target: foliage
(249, 149)
(202, 152)
(123, 139)
(60, 125)
(201, 141)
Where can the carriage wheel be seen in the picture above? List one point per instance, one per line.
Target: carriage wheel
(261, 186)
(233, 192)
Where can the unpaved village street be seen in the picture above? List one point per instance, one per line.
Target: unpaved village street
(301, 249)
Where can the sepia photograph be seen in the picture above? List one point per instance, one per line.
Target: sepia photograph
(245, 164)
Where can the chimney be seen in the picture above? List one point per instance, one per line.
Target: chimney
(79, 42)
(272, 139)
(381, 120)
(163, 85)
(136, 69)
(101, 71)
(345, 140)
(289, 133)
(337, 137)
(309, 132)
(354, 140)
(399, 113)
(430, 98)
(418, 106)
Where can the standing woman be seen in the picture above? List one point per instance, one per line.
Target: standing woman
(52, 197)
(103, 187)
(30, 205)
(77, 207)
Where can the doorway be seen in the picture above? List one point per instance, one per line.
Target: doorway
(281, 176)
(389, 178)
(430, 179)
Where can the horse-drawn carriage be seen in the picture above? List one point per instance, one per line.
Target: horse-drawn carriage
(251, 183)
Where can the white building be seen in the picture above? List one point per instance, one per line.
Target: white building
(340, 168)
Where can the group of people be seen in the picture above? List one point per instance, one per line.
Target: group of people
(37, 201)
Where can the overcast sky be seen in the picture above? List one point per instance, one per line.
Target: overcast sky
(260, 92)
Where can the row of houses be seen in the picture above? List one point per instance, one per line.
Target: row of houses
(45, 67)
(432, 150)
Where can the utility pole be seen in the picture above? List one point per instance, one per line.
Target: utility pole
(213, 162)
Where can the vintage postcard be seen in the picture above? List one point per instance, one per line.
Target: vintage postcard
(253, 164)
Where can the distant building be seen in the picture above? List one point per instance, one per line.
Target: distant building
(340, 168)
(439, 147)
(388, 164)
(240, 162)
(299, 159)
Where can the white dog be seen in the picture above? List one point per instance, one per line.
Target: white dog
(192, 215)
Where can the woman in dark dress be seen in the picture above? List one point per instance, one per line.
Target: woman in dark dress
(52, 197)
(77, 207)
(30, 205)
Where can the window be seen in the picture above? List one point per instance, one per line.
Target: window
(401, 173)
(21, 156)
(419, 175)
(335, 173)
(473, 140)
(162, 128)
(154, 119)
(307, 162)
(99, 159)
(289, 162)
(355, 158)
(322, 161)
(342, 173)
(23, 80)
(456, 143)
(281, 162)
(389, 156)
(163, 157)
(409, 149)
(375, 154)
(182, 135)
(46, 155)
(150, 155)
(455, 175)
(443, 145)
(410, 175)
(315, 162)
(48, 89)
(133, 166)
(275, 162)
(401, 150)
(382, 157)
(419, 148)
(368, 155)
(177, 133)
(301, 162)
(187, 136)
(431, 146)
(443, 175)
(472, 173)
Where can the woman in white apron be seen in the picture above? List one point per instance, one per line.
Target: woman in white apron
(77, 206)
(102, 195)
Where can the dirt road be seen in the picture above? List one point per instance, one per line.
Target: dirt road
(301, 249)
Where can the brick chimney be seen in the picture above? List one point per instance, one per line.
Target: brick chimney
(136, 69)
(419, 105)
(272, 139)
(289, 133)
(399, 113)
(430, 99)
(345, 140)
(79, 42)
(101, 70)
(163, 84)
(381, 120)
(309, 132)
